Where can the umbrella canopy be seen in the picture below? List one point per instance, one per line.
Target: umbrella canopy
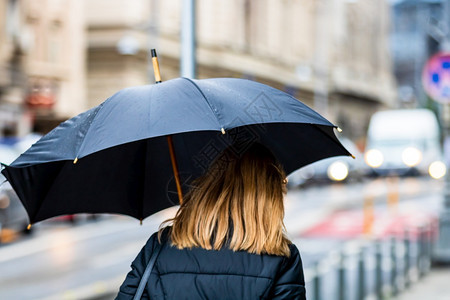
(114, 158)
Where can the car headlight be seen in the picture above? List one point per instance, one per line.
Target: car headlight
(437, 169)
(374, 158)
(337, 171)
(411, 156)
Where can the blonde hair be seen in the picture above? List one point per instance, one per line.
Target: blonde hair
(237, 203)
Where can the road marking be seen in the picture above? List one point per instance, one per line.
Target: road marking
(126, 253)
(77, 234)
(90, 291)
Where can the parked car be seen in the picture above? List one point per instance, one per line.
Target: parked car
(333, 169)
(12, 213)
(405, 142)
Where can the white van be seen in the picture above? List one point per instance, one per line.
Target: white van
(404, 142)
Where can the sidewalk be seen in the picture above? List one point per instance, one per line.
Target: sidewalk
(434, 286)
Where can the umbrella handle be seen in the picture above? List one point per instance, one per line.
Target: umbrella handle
(169, 138)
(156, 66)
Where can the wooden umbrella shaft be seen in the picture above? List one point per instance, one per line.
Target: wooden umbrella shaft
(175, 168)
(169, 138)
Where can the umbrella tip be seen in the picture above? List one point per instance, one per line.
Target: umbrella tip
(339, 129)
(223, 130)
(29, 227)
(140, 222)
(352, 156)
(75, 160)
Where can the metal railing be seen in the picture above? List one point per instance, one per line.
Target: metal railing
(373, 268)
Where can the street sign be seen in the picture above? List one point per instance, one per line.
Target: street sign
(436, 77)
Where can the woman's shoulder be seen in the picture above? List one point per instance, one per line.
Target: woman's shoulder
(293, 263)
(294, 256)
(294, 250)
(155, 239)
(162, 235)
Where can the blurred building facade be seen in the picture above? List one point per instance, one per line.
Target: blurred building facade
(117, 46)
(331, 54)
(42, 64)
(60, 57)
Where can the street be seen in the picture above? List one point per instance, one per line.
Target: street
(89, 259)
(58, 260)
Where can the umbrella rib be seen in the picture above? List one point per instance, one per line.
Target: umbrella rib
(95, 112)
(213, 109)
(40, 204)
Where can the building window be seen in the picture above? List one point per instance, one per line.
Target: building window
(54, 42)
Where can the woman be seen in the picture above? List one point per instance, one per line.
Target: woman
(227, 240)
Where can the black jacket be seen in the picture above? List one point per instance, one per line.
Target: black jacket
(209, 274)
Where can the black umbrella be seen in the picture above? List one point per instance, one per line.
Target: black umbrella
(114, 158)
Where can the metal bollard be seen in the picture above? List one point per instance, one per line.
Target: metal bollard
(341, 278)
(422, 251)
(394, 287)
(316, 282)
(361, 276)
(428, 246)
(407, 257)
(378, 270)
(418, 253)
